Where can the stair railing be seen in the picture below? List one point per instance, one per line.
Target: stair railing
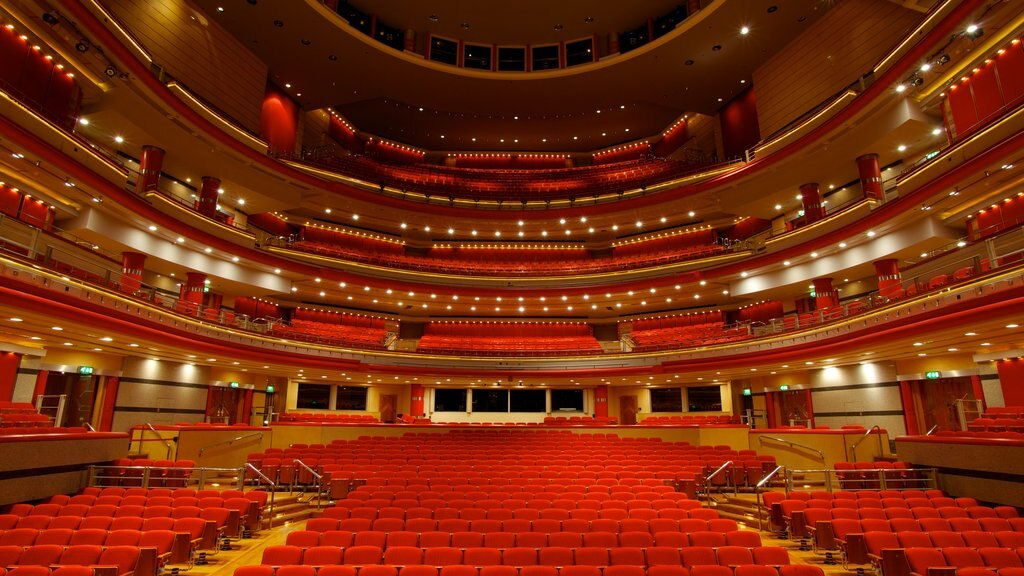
(229, 441)
(273, 488)
(853, 447)
(318, 481)
(707, 479)
(821, 455)
(759, 489)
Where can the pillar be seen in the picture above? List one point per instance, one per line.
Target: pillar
(9, 363)
(1011, 379)
(151, 162)
(825, 295)
(888, 273)
(40, 388)
(409, 41)
(811, 199)
(613, 44)
(132, 265)
(870, 176)
(601, 401)
(192, 289)
(416, 393)
(246, 416)
(110, 385)
(909, 410)
(208, 196)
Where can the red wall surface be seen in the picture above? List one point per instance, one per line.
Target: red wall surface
(987, 91)
(35, 80)
(739, 124)
(1011, 378)
(9, 362)
(279, 121)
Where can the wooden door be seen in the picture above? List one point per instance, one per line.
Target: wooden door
(388, 402)
(935, 401)
(627, 409)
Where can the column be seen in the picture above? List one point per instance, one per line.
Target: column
(613, 44)
(416, 393)
(909, 410)
(151, 162)
(601, 401)
(1011, 379)
(208, 196)
(9, 363)
(132, 265)
(40, 387)
(110, 385)
(825, 295)
(811, 199)
(192, 289)
(888, 273)
(870, 176)
(409, 40)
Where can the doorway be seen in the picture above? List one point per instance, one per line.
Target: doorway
(790, 408)
(627, 409)
(935, 401)
(79, 391)
(228, 405)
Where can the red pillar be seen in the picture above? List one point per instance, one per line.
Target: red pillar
(416, 392)
(409, 40)
(9, 362)
(1011, 379)
(246, 415)
(870, 176)
(109, 402)
(192, 289)
(769, 408)
(601, 401)
(208, 196)
(979, 391)
(826, 296)
(613, 44)
(151, 161)
(909, 410)
(811, 199)
(40, 387)
(132, 265)
(888, 273)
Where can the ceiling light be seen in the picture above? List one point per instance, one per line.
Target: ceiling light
(871, 233)
(778, 206)
(16, 319)
(152, 228)
(902, 148)
(56, 328)
(745, 30)
(179, 240)
(118, 139)
(1012, 325)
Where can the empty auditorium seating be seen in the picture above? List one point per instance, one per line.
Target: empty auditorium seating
(314, 325)
(699, 329)
(497, 339)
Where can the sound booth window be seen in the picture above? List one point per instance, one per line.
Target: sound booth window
(528, 401)
(666, 399)
(704, 398)
(490, 400)
(351, 398)
(449, 400)
(566, 401)
(314, 396)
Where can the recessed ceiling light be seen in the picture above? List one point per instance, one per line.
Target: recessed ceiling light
(745, 30)
(902, 148)
(118, 139)
(152, 228)
(57, 328)
(15, 319)
(1012, 325)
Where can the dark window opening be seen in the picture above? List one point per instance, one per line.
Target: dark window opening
(449, 400)
(477, 57)
(528, 401)
(666, 399)
(566, 401)
(490, 400)
(545, 57)
(315, 396)
(511, 59)
(704, 398)
(633, 39)
(444, 51)
(392, 37)
(351, 398)
(355, 17)
(579, 52)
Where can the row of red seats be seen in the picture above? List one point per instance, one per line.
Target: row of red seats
(48, 571)
(535, 539)
(1004, 412)
(527, 556)
(326, 417)
(497, 346)
(124, 558)
(703, 335)
(984, 424)
(92, 529)
(338, 334)
(665, 520)
(915, 287)
(157, 473)
(723, 419)
(897, 561)
(163, 540)
(49, 430)
(953, 434)
(340, 318)
(500, 570)
(497, 262)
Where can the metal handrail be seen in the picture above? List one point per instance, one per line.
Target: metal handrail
(230, 441)
(932, 430)
(89, 427)
(317, 476)
(761, 439)
(759, 489)
(268, 481)
(707, 479)
(167, 443)
(853, 448)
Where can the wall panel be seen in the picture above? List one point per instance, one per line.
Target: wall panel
(841, 47)
(198, 52)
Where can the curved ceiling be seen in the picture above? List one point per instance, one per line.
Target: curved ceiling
(619, 99)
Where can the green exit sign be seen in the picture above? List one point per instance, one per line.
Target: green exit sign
(784, 387)
(270, 389)
(234, 384)
(933, 375)
(85, 369)
(746, 391)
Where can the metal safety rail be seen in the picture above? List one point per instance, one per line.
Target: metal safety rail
(723, 469)
(230, 441)
(759, 489)
(867, 433)
(163, 477)
(249, 468)
(864, 479)
(318, 483)
(167, 443)
(821, 455)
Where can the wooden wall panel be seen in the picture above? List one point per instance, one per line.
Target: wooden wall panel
(841, 46)
(200, 53)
